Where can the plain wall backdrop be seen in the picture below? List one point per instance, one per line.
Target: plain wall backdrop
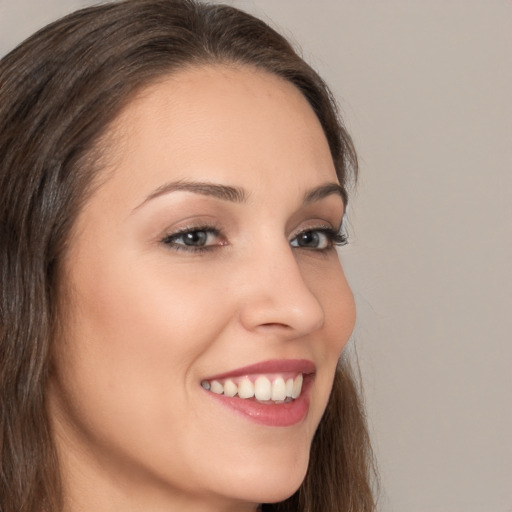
(425, 89)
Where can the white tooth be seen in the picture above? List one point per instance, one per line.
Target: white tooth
(278, 389)
(289, 387)
(297, 386)
(262, 388)
(217, 387)
(245, 388)
(230, 388)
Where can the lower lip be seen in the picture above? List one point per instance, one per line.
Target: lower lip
(272, 415)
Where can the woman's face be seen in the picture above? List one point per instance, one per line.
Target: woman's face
(203, 267)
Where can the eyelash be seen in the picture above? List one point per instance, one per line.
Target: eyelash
(170, 240)
(334, 239)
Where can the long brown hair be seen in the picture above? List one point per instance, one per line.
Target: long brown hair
(59, 92)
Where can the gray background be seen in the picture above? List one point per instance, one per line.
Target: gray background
(424, 87)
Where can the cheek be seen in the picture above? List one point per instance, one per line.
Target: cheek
(340, 312)
(132, 333)
(142, 322)
(125, 365)
(328, 283)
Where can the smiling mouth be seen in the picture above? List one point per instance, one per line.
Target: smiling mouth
(273, 393)
(276, 388)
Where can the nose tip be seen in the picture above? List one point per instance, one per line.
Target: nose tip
(290, 318)
(279, 299)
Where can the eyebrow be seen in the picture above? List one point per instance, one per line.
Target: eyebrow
(238, 194)
(224, 192)
(319, 193)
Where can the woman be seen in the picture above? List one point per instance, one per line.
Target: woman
(173, 183)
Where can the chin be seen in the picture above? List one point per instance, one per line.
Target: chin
(280, 490)
(272, 482)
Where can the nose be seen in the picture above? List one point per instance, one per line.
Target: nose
(276, 297)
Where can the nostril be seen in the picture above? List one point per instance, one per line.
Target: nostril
(276, 324)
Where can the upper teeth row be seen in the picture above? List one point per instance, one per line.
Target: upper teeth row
(262, 388)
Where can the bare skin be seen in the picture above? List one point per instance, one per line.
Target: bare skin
(166, 285)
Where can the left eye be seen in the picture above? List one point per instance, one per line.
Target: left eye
(193, 239)
(314, 239)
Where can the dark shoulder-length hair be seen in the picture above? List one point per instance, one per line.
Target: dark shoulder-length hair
(59, 92)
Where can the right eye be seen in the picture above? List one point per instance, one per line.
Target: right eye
(194, 239)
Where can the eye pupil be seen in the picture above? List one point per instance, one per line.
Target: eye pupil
(195, 238)
(309, 239)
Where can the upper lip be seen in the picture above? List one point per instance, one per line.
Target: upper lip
(303, 366)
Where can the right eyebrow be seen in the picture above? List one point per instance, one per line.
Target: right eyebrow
(224, 192)
(319, 193)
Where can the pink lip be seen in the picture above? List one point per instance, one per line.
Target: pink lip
(274, 415)
(272, 366)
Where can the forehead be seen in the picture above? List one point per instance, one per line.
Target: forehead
(237, 125)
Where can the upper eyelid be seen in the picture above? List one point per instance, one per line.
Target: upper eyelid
(323, 225)
(200, 225)
(212, 226)
(326, 225)
(219, 231)
(183, 231)
(325, 229)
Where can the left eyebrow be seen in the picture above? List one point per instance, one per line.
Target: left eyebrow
(224, 192)
(323, 191)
